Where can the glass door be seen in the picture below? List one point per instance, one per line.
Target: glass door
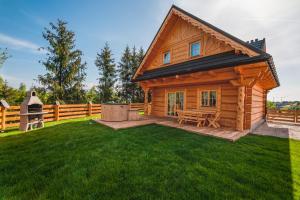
(175, 102)
(171, 104)
(179, 100)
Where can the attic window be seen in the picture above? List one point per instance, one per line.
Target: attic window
(195, 49)
(167, 57)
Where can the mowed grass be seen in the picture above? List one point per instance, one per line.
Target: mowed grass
(79, 159)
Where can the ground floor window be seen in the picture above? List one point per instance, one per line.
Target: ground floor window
(209, 98)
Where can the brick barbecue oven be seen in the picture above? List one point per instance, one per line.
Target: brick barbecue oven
(31, 112)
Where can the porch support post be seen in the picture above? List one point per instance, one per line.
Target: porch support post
(240, 109)
(3, 124)
(146, 91)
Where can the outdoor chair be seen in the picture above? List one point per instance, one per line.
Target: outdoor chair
(214, 120)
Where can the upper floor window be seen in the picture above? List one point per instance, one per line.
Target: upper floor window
(167, 57)
(209, 98)
(195, 49)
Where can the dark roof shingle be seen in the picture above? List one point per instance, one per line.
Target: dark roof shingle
(222, 60)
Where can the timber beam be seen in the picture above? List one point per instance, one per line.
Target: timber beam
(199, 78)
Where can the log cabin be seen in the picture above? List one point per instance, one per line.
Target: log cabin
(192, 65)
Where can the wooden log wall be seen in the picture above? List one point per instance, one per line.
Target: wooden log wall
(255, 101)
(227, 101)
(158, 102)
(178, 39)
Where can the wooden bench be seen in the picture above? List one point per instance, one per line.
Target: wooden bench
(191, 116)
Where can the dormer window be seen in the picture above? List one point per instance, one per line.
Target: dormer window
(195, 49)
(167, 57)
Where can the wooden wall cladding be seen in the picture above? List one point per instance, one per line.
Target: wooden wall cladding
(158, 102)
(227, 101)
(178, 39)
(258, 102)
(255, 101)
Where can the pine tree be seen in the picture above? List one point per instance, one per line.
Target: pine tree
(92, 95)
(8, 93)
(21, 94)
(107, 72)
(124, 69)
(65, 69)
(3, 56)
(138, 92)
(43, 94)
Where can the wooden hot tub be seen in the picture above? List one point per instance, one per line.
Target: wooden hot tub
(114, 112)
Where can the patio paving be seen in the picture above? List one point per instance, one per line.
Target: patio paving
(228, 134)
(126, 124)
(279, 130)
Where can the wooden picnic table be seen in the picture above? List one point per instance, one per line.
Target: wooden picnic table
(201, 117)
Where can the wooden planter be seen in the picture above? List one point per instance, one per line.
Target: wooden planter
(115, 112)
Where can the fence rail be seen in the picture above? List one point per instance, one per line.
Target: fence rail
(290, 116)
(11, 117)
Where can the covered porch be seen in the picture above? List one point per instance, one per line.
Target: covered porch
(223, 133)
(237, 93)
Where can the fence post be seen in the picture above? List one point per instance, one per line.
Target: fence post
(90, 108)
(295, 116)
(56, 111)
(3, 110)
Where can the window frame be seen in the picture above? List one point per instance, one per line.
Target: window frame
(209, 99)
(174, 91)
(191, 44)
(167, 52)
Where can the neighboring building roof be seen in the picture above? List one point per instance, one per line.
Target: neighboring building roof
(222, 60)
(259, 44)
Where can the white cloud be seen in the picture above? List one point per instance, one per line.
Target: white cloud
(10, 78)
(19, 44)
(276, 20)
(36, 19)
(15, 81)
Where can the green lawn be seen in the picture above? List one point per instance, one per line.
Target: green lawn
(79, 159)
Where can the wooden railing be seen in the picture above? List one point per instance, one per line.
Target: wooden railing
(11, 117)
(137, 106)
(290, 116)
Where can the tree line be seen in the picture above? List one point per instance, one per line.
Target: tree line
(65, 76)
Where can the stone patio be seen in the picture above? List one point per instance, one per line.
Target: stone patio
(228, 134)
(279, 130)
(126, 124)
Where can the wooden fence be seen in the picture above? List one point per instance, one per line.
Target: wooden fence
(11, 117)
(137, 106)
(291, 116)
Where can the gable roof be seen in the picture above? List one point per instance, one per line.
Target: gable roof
(217, 61)
(252, 48)
(241, 42)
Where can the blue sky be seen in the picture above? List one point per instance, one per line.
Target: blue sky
(136, 22)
